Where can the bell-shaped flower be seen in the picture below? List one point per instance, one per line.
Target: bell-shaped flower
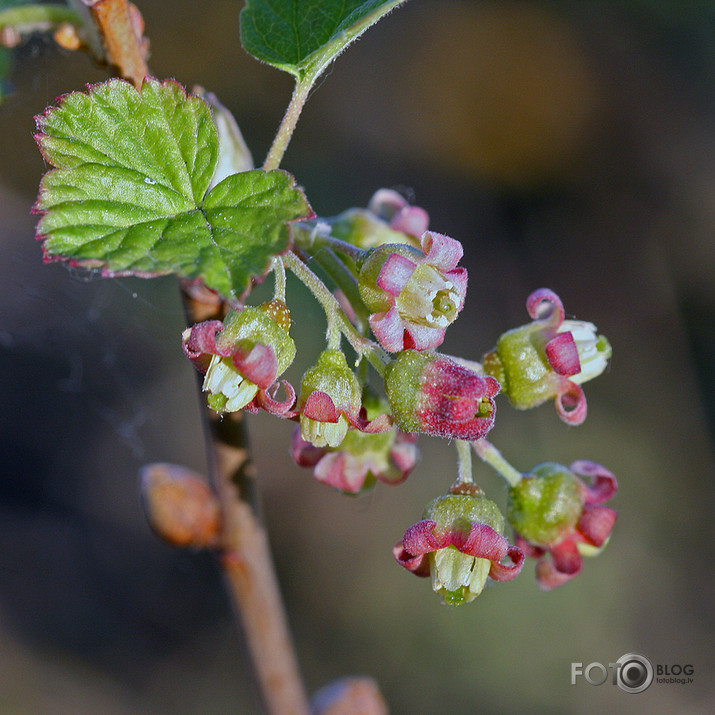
(435, 395)
(459, 543)
(548, 358)
(413, 295)
(554, 512)
(362, 457)
(360, 460)
(330, 401)
(242, 357)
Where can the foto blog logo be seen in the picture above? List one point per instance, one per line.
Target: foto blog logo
(632, 673)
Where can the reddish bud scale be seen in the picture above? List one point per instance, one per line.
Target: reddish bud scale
(180, 506)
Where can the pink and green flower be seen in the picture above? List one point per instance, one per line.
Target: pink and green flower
(459, 543)
(555, 513)
(548, 359)
(242, 357)
(413, 295)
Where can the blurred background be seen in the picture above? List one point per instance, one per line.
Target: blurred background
(566, 144)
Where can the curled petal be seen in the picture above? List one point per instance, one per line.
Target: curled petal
(485, 543)
(388, 329)
(566, 557)
(395, 273)
(420, 538)
(532, 551)
(562, 354)
(502, 572)
(320, 407)
(418, 565)
(412, 220)
(604, 484)
(546, 307)
(280, 409)
(570, 403)
(547, 577)
(199, 343)
(202, 338)
(259, 365)
(596, 523)
(441, 251)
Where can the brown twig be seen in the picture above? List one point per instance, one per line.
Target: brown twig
(245, 552)
(248, 568)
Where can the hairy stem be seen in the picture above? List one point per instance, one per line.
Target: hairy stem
(464, 462)
(279, 277)
(343, 279)
(364, 347)
(488, 453)
(287, 126)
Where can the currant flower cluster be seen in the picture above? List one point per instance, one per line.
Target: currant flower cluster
(395, 289)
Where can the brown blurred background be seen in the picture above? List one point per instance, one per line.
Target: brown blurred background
(567, 144)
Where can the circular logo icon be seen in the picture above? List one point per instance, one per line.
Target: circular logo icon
(635, 674)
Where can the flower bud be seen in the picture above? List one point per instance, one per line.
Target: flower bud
(548, 358)
(330, 399)
(413, 295)
(553, 511)
(180, 506)
(243, 356)
(459, 543)
(433, 394)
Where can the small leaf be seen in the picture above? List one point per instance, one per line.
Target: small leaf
(303, 36)
(128, 194)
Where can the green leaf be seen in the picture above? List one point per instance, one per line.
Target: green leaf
(303, 36)
(129, 191)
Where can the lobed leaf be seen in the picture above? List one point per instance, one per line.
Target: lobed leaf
(129, 191)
